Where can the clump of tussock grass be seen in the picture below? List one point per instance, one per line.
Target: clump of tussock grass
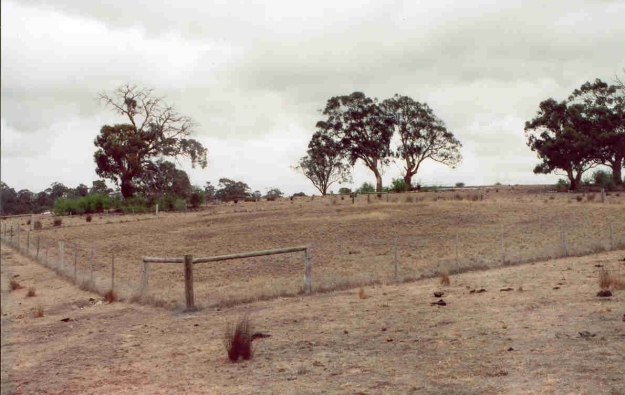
(409, 199)
(58, 221)
(38, 312)
(444, 277)
(238, 340)
(32, 291)
(580, 198)
(14, 285)
(111, 296)
(38, 225)
(607, 280)
(361, 293)
(590, 197)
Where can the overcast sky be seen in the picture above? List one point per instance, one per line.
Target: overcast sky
(254, 75)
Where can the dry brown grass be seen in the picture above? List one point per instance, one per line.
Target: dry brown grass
(238, 340)
(38, 311)
(607, 280)
(14, 285)
(110, 296)
(38, 225)
(361, 293)
(32, 291)
(445, 277)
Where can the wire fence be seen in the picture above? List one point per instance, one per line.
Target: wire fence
(406, 251)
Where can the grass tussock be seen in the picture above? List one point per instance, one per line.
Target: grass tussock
(32, 291)
(110, 296)
(590, 197)
(238, 340)
(445, 278)
(361, 293)
(607, 280)
(38, 312)
(58, 221)
(14, 285)
(38, 225)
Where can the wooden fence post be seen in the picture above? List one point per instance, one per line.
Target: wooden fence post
(75, 265)
(11, 233)
(18, 237)
(91, 268)
(387, 197)
(145, 277)
(61, 254)
(38, 239)
(27, 242)
(457, 260)
(113, 272)
(396, 273)
(503, 251)
(188, 282)
(307, 272)
(602, 195)
(563, 241)
(611, 238)
(157, 210)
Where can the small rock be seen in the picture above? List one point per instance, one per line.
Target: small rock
(598, 265)
(384, 329)
(439, 294)
(99, 302)
(66, 320)
(586, 334)
(480, 291)
(390, 339)
(511, 349)
(604, 294)
(92, 299)
(196, 324)
(556, 287)
(506, 289)
(260, 335)
(439, 303)
(345, 332)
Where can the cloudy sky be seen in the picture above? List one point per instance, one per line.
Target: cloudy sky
(254, 75)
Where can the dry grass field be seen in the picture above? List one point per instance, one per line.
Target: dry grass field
(548, 334)
(351, 244)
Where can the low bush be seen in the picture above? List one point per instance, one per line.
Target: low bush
(31, 292)
(89, 218)
(580, 198)
(110, 296)
(58, 221)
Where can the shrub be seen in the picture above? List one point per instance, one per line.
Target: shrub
(562, 185)
(89, 218)
(180, 205)
(580, 198)
(198, 197)
(58, 221)
(460, 185)
(38, 225)
(604, 179)
(31, 292)
(366, 188)
(458, 196)
(238, 340)
(399, 185)
(345, 191)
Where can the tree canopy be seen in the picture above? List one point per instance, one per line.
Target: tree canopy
(324, 163)
(362, 130)
(562, 137)
(232, 190)
(422, 135)
(125, 152)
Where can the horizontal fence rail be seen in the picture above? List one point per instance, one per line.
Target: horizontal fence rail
(189, 262)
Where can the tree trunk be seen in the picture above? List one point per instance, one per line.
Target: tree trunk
(127, 187)
(617, 175)
(408, 179)
(575, 180)
(378, 180)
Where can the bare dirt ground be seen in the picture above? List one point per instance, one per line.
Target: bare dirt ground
(393, 341)
(351, 245)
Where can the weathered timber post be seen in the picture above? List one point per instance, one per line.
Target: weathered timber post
(188, 282)
(602, 195)
(75, 265)
(387, 197)
(307, 272)
(157, 210)
(368, 198)
(144, 278)
(32, 222)
(396, 273)
(563, 241)
(38, 240)
(27, 242)
(113, 272)
(91, 269)
(11, 233)
(18, 237)
(611, 238)
(353, 198)
(61, 254)
(457, 260)
(503, 251)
